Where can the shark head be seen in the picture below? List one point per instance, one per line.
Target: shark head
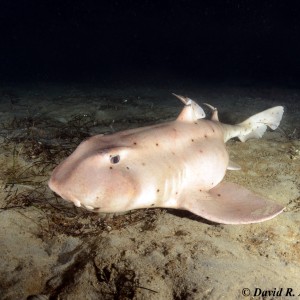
(96, 178)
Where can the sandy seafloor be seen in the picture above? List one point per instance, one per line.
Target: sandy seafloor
(52, 250)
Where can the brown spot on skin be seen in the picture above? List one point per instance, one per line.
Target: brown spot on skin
(111, 168)
(176, 193)
(219, 195)
(200, 190)
(205, 136)
(173, 153)
(200, 151)
(192, 140)
(143, 164)
(196, 123)
(134, 143)
(127, 168)
(157, 190)
(213, 130)
(212, 183)
(156, 144)
(152, 204)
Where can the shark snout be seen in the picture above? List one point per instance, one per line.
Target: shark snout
(68, 196)
(66, 193)
(100, 181)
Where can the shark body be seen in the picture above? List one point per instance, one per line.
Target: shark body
(178, 164)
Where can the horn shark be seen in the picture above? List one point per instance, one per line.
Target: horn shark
(178, 164)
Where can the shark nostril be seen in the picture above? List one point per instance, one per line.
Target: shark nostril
(77, 203)
(89, 207)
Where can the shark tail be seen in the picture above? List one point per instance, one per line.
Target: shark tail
(255, 126)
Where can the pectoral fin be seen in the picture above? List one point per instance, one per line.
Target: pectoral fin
(233, 166)
(229, 203)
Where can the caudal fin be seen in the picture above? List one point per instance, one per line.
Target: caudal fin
(255, 126)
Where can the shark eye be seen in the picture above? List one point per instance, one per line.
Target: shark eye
(115, 159)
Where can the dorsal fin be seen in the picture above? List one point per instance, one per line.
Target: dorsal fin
(214, 115)
(191, 112)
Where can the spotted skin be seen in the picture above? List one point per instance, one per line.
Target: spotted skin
(178, 164)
